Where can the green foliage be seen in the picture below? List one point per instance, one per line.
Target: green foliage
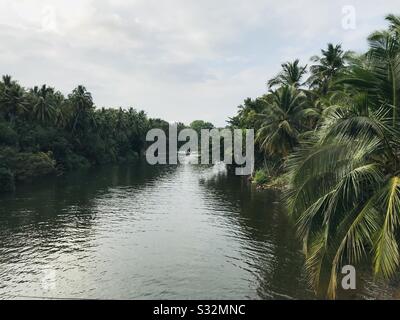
(43, 132)
(73, 161)
(279, 133)
(327, 68)
(26, 166)
(335, 140)
(8, 136)
(197, 125)
(291, 75)
(260, 177)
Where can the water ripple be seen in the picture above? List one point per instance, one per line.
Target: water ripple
(137, 232)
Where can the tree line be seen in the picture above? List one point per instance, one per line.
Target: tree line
(44, 132)
(329, 133)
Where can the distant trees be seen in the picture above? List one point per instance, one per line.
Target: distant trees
(44, 104)
(197, 125)
(12, 99)
(42, 132)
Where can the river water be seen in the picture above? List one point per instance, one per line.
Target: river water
(143, 232)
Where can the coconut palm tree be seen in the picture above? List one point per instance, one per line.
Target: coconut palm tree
(82, 108)
(327, 68)
(378, 71)
(284, 121)
(13, 100)
(340, 147)
(345, 182)
(44, 104)
(345, 194)
(248, 113)
(291, 75)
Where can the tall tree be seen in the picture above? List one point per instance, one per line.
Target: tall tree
(13, 101)
(327, 67)
(291, 75)
(44, 104)
(82, 107)
(284, 120)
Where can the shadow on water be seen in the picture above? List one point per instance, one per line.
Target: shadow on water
(271, 249)
(52, 218)
(267, 238)
(73, 195)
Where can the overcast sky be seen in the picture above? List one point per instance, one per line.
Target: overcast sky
(179, 60)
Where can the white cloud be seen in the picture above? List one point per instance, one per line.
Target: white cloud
(177, 59)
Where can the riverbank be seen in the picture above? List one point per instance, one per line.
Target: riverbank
(18, 168)
(264, 180)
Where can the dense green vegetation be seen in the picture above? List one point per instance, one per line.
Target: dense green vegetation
(331, 131)
(42, 132)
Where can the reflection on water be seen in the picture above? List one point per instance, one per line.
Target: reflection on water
(142, 232)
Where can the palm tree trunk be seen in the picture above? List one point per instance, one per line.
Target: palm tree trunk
(394, 102)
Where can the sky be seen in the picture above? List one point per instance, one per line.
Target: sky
(179, 60)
